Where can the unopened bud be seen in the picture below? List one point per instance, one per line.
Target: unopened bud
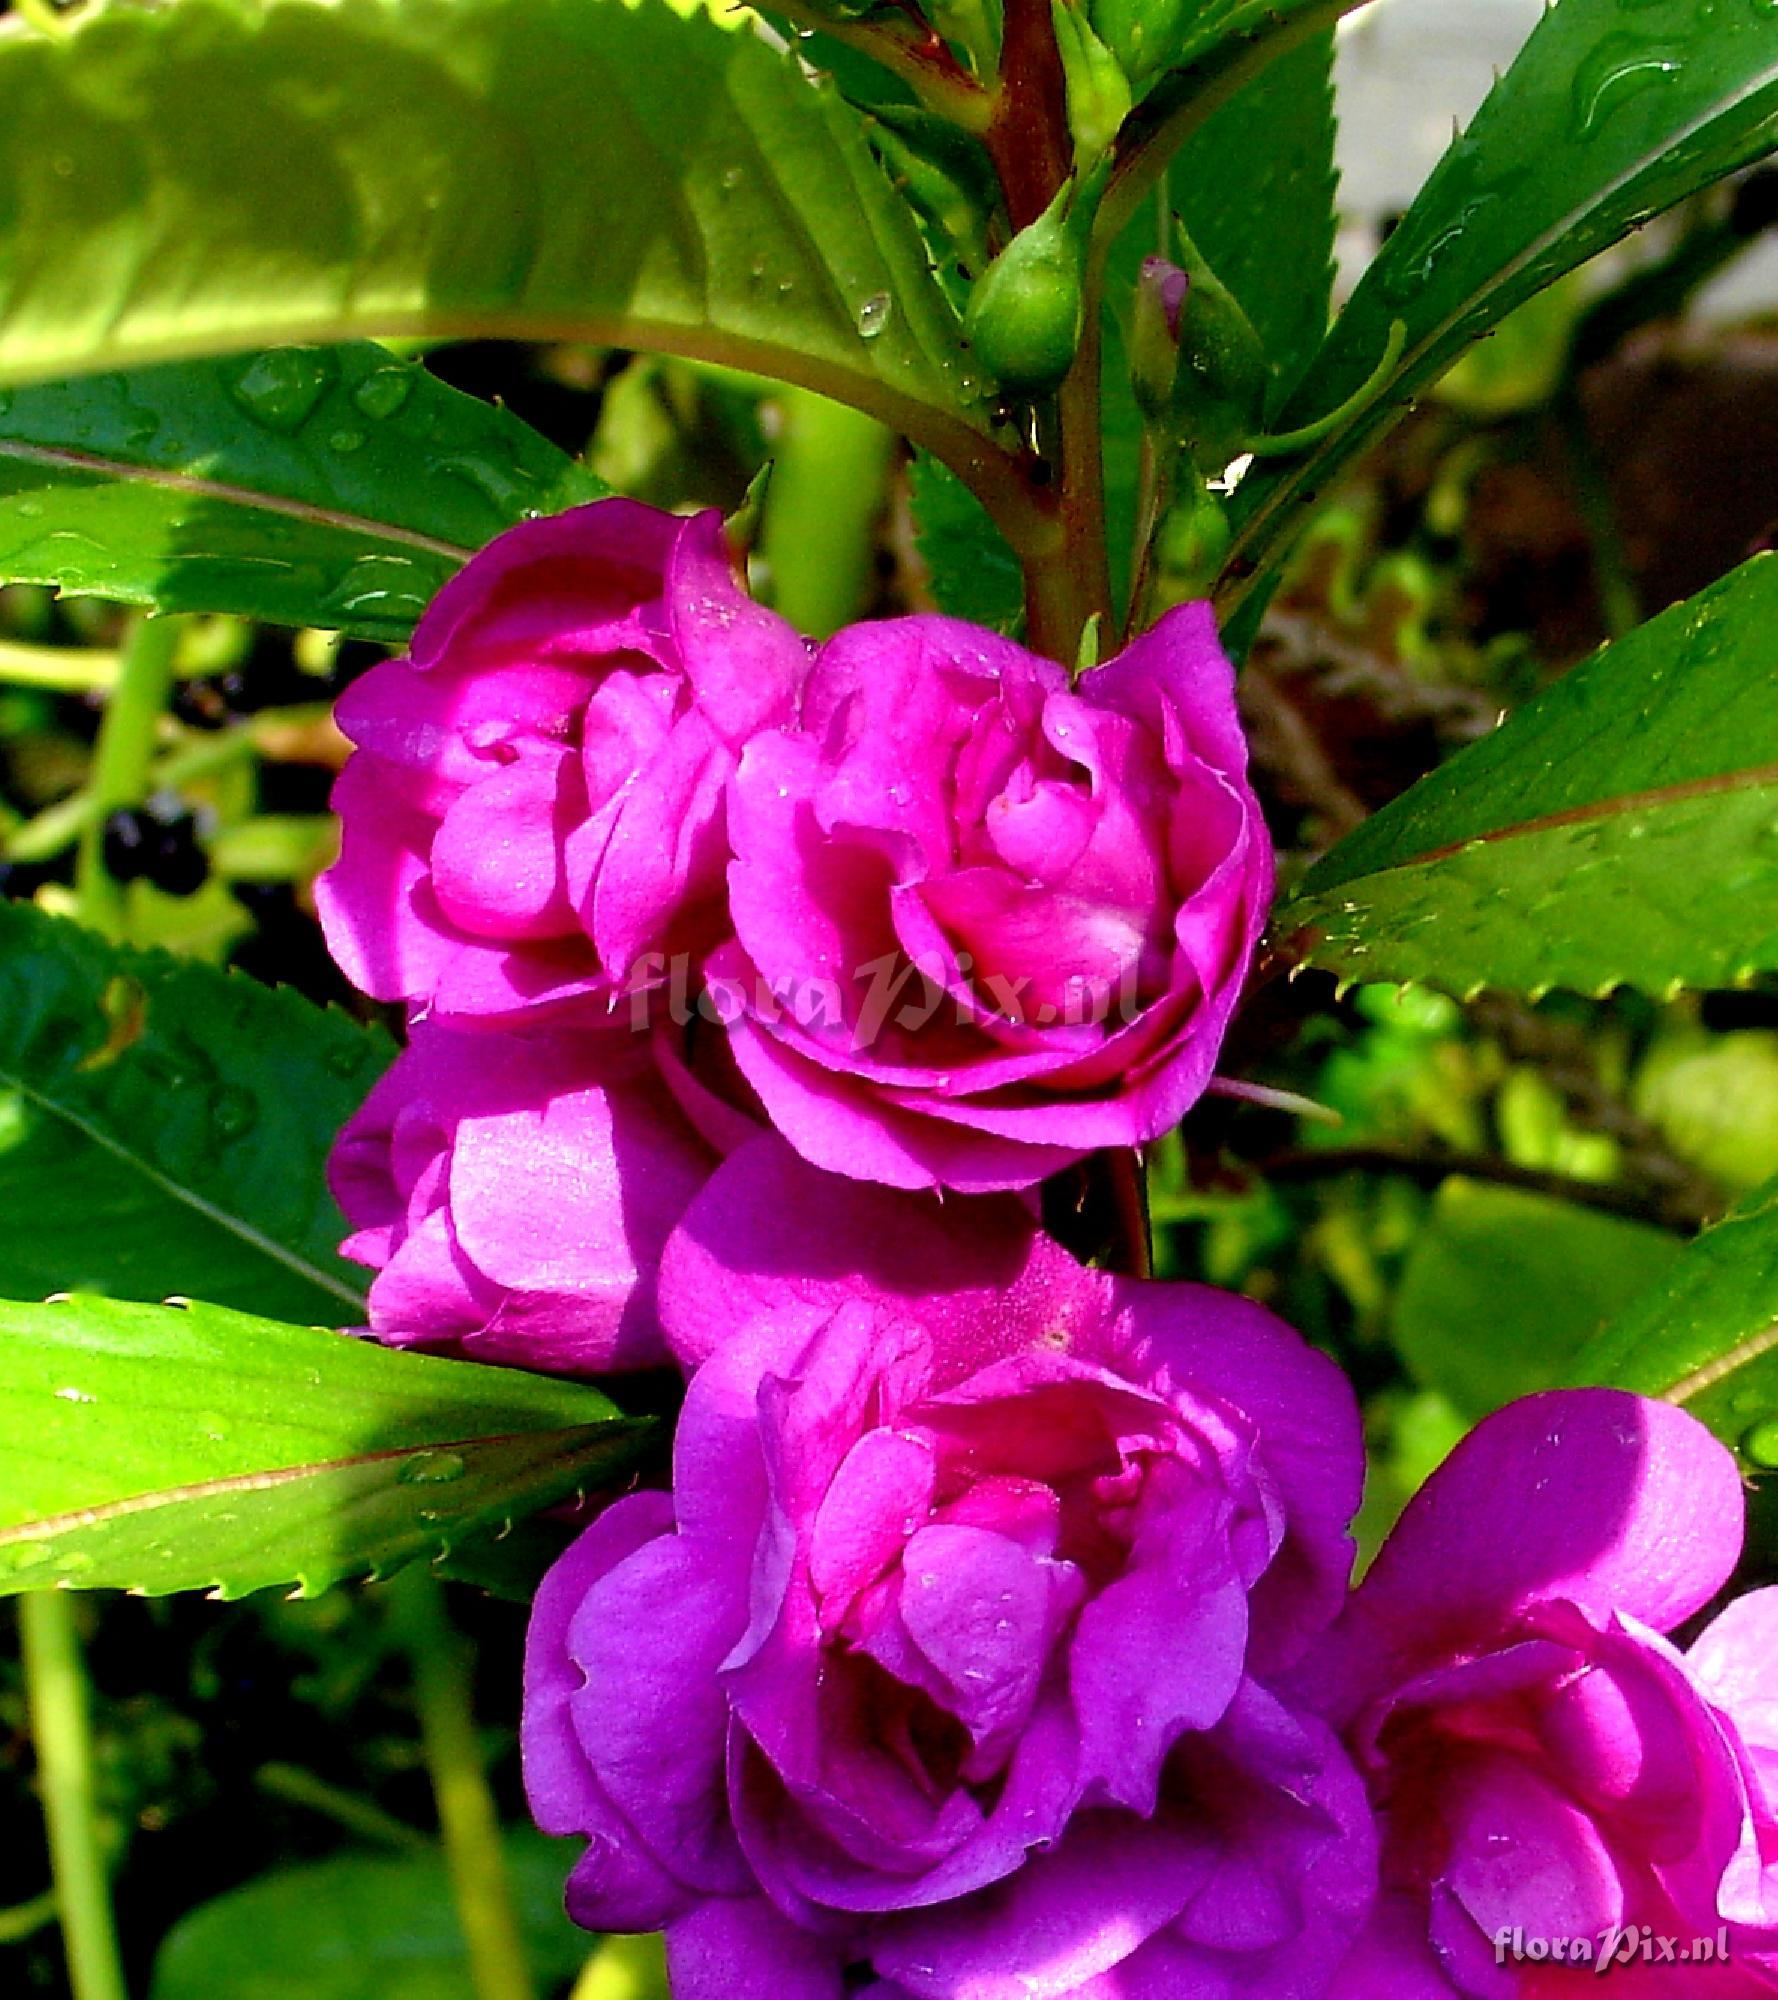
(1154, 337)
(1027, 310)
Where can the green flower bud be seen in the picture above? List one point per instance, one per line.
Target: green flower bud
(1098, 90)
(1191, 545)
(1027, 310)
(1220, 392)
(1152, 338)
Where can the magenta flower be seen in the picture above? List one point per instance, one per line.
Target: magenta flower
(947, 1658)
(1544, 1765)
(988, 921)
(513, 1194)
(537, 797)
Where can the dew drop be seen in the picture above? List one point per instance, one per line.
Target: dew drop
(75, 1396)
(25, 1555)
(732, 178)
(235, 1112)
(873, 315)
(281, 387)
(1620, 69)
(432, 1468)
(380, 395)
(346, 441)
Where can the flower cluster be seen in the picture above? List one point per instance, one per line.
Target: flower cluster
(995, 1640)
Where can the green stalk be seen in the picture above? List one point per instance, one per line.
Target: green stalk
(122, 759)
(467, 1818)
(61, 1722)
(58, 669)
(25, 1920)
(830, 473)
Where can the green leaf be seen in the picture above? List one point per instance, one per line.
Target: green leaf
(1620, 829)
(1502, 1287)
(363, 1927)
(307, 485)
(1707, 1336)
(212, 176)
(163, 1126)
(974, 573)
(162, 1448)
(1610, 115)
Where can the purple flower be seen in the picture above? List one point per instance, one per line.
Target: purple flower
(513, 1194)
(1544, 1764)
(537, 797)
(948, 1658)
(988, 921)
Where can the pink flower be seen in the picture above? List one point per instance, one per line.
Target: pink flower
(947, 1658)
(513, 1194)
(988, 922)
(537, 797)
(1544, 1764)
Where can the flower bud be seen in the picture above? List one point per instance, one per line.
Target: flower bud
(1153, 337)
(1098, 90)
(1220, 394)
(1027, 310)
(1191, 545)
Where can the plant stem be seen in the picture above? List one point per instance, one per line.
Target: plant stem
(61, 1722)
(829, 485)
(25, 1920)
(1620, 605)
(1028, 138)
(122, 759)
(302, 1788)
(467, 1817)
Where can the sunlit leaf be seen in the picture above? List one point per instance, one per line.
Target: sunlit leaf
(1620, 829)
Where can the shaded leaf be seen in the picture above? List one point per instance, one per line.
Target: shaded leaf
(635, 175)
(1707, 1335)
(363, 1927)
(1609, 116)
(163, 1126)
(162, 1448)
(1503, 1287)
(1620, 829)
(310, 486)
(974, 574)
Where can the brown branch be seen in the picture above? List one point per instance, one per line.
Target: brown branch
(1027, 138)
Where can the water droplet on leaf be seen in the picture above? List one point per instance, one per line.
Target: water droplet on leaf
(1620, 69)
(281, 387)
(382, 394)
(235, 1113)
(433, 1468)
(874, 314)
